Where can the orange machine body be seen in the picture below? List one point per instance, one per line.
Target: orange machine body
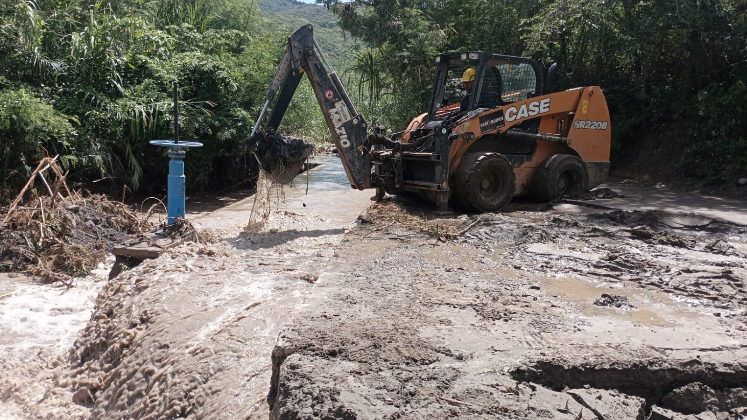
(576, 122)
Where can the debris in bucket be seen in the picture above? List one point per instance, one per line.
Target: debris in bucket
(617, 301)
(269, 194)
(282, 157)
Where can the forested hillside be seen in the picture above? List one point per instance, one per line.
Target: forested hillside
(290, 15)
(674, 73)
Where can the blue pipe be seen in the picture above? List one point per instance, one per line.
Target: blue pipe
(176, 186)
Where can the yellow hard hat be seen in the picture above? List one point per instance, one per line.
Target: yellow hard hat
(469, 75)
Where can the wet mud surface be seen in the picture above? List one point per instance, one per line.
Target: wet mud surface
(188, 335)
(569, 312)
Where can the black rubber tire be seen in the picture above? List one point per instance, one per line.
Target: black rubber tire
(484, 182)
(560, 176)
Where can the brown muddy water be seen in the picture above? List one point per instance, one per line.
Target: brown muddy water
(187, 335)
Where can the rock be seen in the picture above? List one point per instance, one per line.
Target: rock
(128, 257)
(618, 301)
(364, 218)
(138, 252)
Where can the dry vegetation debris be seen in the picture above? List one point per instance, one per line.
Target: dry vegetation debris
(388, 213)
(58, 237)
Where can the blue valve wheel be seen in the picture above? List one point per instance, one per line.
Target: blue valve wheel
(174, 144)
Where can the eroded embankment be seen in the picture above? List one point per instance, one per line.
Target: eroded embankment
(501, 322)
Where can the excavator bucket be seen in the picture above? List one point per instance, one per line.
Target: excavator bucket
(282, 157)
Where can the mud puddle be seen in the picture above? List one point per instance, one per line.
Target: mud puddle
(639, 306)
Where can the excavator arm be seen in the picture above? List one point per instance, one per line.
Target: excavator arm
(282, 158)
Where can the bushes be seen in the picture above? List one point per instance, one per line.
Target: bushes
(678, 69)
(29, 130)
(713, 137)
(92, 82)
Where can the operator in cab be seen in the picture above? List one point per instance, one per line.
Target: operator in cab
(468, 81)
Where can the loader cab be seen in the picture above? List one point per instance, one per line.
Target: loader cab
(505, 79)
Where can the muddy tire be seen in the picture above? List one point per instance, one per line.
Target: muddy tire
(560, 176)
(484, 182)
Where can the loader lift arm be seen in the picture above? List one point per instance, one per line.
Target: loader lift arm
(347, 126)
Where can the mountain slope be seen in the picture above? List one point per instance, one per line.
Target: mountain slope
(292, 14)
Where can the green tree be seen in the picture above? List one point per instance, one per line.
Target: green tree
(665, 66)
(98, 75)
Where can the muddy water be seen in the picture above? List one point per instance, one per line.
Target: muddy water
(189, 335)
(39, 323)
(649, 308)
(328, 176)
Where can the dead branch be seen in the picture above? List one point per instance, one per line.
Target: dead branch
(18, 199)
(61, 180)
(41, 175)
(451, 400)
(471, 225)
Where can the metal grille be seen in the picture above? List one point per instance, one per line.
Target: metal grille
(504, 82)
(510, 81)
(453, 91)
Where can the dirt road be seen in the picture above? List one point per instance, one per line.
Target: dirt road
(572, 311)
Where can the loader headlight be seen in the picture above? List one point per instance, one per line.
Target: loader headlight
(473, 56)
(438, 59)
(464, 57)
